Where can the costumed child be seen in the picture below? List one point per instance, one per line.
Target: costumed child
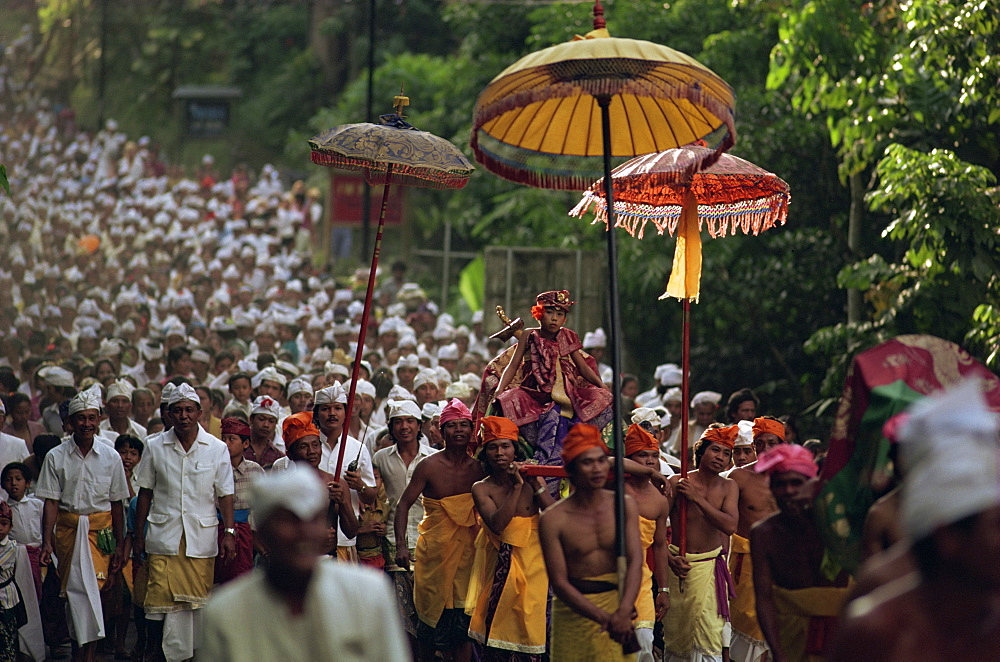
(557, 384)
(20, 621)
(236, 436)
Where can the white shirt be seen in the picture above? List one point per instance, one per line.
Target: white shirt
(26, 525)
(12, 449)
(349, 615)
(396, 476)
(329, 465)
(134, 429)
(185, 486)
(82, 484)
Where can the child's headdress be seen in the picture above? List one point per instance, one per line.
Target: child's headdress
(555, 299)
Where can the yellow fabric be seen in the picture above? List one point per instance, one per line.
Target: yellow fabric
(576, 638)
(443, 556)
(177, 583)
(692, 623)
(644, 605)
(65, 538)
(685, 274)
(347, 554)
(559, 395)
(795, 607)
(519, 620)
(743, 608)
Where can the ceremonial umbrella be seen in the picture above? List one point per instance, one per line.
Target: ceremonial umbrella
(390, 152)
(732, 195)
(556, 119)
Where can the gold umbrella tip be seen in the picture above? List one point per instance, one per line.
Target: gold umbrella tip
(399, 102)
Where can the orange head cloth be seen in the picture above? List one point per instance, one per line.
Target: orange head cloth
(762, 425)
(725, 436)
(497, 427)
(581, 438)
(637, 439)
(297, 426)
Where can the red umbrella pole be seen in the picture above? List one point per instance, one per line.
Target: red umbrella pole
(356, 371)
(685, 390)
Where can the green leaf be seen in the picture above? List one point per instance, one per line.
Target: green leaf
(4, 184)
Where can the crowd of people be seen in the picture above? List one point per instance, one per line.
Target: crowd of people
(180, 458)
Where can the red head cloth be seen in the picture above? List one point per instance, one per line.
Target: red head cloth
(787, 457)
(231, 425)
(297, 426)
(555, 299)
(892, 427)
(762, 425)
(581, 438)
(637, 439)
(497, 427)
(725, 436)
(455, 411)
(6, 512)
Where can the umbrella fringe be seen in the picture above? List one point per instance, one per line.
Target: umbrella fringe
(536, 179)
(375, 172)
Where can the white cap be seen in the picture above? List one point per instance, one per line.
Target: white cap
(648, 398)
(297, 488)
(331, 368)
(408, 361)
(430, 410)
(425, 376)
(472, 380)
(647, 415)
(299, 385)
(200, 355)
(397, 392)
(331, 395)
(745, 435)
(595, 338)
(364, 387)
(89, 399)
(669, 374)
(448, 352)
(949, 448)
(267, 406)
(458, 390)
(57, 376)
(120, 388)
(706, 397)
(182, 392)
(401, 408)
(271, 374)
(672, 395)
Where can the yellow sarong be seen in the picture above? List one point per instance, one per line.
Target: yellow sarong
(65, 538)
(644, 606)
(806, 619)
(576, 638)
(743, 610)
(443, 556)
(518, 617)
(177, 583)
(693, 623)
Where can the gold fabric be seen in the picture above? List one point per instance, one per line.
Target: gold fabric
(178, 583)
(443, 556)
(65, 539)
(576, 638)
(644, 605)
(693, 624)
(799, 610)
(743, 608)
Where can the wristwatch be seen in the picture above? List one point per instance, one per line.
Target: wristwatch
(666, 590)
(231, 531)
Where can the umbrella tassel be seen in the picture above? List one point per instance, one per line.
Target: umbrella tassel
(685, 274)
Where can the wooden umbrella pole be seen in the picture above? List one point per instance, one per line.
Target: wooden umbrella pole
(615, 345)
(356, 371)
(685, 391)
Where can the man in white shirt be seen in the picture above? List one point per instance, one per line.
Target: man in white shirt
(119, 406)
(183, 472)
(83, 484)
(396, 465)
(329, 415)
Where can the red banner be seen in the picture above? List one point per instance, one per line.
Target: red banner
(347, 192)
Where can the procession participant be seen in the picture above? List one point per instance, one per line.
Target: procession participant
(396, 464)
(237, 435)
(364, 407)
(590, 620)
(263, 421)
(425, 387)
(20, 622)
(756, 502)
(742, 406)
(26, 516)
(551, 395)
(508, 589)
(12, 449)
(704, 407)
(184, 473)
(743, 452)
(328, 415)
(299, 608)
(18, 411)
(693, 628)
(947, 609)
(445, 546)
(83, 484)
(653, 510)
(119, 409)
(797, 604)
(300, 394)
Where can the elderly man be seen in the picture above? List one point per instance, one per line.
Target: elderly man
(83, 484)
(947, 609)
(183, 474)
(300, 608)
(704, 408)
(119, 407)
(397, 464)
(263, 422)
(329, 416)
(445, 547)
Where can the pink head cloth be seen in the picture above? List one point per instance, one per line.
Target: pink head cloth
(455, 410)
(787, 457)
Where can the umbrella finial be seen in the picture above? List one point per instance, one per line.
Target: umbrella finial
(400, 102)
(599, 22)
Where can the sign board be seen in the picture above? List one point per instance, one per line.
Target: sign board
(206, 118)
(347, 192)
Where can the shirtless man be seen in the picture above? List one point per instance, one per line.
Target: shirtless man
(698, 615)
(511, 589)
(796, 603)
(444, 552)
(589, 621)
(654, 509)
(950, 608)
(755, 503)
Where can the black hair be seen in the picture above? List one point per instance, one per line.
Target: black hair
(17, 466)
(701, 446)
(239, 375)
(519, 454)
(14, 399)
(9, 381)
(738, 398)
(420, 432)
(42, 444)
(129, 441)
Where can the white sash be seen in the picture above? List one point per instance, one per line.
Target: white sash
(82, 590)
